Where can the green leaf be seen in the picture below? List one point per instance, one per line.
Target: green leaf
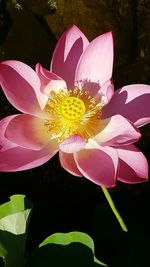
(69, 249)
(14, 219)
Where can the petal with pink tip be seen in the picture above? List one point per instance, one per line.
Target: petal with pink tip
(133, 166)
(68, 163)
(15, 158)
(116, 131)
(27, 131)
(132, 102)
(49, 81)
(21, 86)
(72, 144)
(67, 53)
(97, 61)
(98, 165)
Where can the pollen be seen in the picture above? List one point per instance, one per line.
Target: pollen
(72, 112)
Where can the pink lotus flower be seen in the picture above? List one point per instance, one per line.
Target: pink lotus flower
(73, 109)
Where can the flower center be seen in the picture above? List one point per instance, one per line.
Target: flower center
(72, 112)
(72, 108)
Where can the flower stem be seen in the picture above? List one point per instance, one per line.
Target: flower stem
(112, 205)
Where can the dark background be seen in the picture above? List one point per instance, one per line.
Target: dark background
(62, 203)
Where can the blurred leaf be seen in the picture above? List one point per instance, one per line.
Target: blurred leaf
(69, 249)
(14, 219)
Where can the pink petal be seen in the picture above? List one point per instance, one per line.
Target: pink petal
(72, 144)
(27, 131)
(116, 131)
(98, 165)
(49, 81)
(104, 93)
(85, 85)
(67, 53)
(68, 163)
(97, 61)
(5, 143)
(133, 166)
(107, 91)
(18, 158)
(15, 158)
(132, 102)
(21, 86)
